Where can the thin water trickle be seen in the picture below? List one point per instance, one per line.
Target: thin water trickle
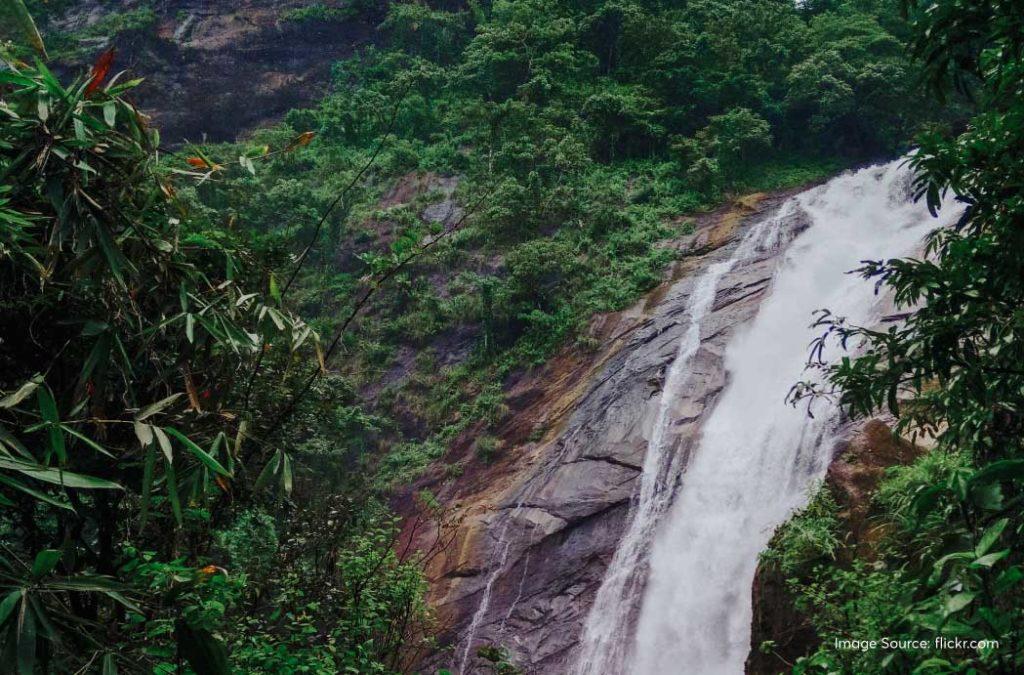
(689, 557)
(505, 542)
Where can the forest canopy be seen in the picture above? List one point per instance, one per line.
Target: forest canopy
(220, 360)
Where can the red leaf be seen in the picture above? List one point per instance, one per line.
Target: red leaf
(198, 162)
(100, 70)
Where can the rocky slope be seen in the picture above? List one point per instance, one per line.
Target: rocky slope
(215, 70)
(860, 464)
(539, 527)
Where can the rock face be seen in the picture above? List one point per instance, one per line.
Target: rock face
(539, 527)
(860, 462)
(218, 69)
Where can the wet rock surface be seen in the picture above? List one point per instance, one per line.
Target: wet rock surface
(866, 450)
(215, 70)
(539, 527)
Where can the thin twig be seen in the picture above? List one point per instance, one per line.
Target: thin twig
(300, 261)
(289, 409)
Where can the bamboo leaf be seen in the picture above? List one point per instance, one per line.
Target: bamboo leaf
(48, 410)
(154, 408)
(44, 563)
(8, 604)
(165, 444)
(199, 453)
(88, 441)
(19, 12)
(275, 291)
(110, 113)
(271, 468)
(36, 494)
(143, 432)
(990, 537)
(21, 393)
(172, 492)
(49, 474)
(286, 473)
(26, 638)
(243, 427)
(100, 353)
(8, 439)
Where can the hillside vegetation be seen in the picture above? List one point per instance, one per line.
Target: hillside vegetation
(218, 361)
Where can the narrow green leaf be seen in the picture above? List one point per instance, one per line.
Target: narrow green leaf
(286, 474)
(271, 468)
(110, 113)
(154, 408)
(21, 393)
(49, 474)
(115, 259)
(199, 453)
(990, 536)
(26, 24)
(990, 559)
(44, 563)
(172, 492)
(48, 410)
(8, 439)
(165, 444)
(243, 427)
(8, 604)
(275, 291)
(26, 638)
(144, 433)
(957, 602)
(88, 441)
(99, 355)
(36, 494)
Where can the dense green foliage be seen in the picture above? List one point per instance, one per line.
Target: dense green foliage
(573, 137)
(132, 463)
(194, 474)
(952, 564)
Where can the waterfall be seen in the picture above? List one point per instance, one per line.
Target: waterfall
(605, 643)
(690, 552)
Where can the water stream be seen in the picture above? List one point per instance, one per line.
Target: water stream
(688, 558)
(605, 645)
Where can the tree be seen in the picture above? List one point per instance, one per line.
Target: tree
(952, 371)
(124, 329)
(736, 137)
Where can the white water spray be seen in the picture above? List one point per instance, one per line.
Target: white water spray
(757, 457)
(605, 643)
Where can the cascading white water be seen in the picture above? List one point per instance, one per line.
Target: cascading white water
(756, 457)
(604, 643)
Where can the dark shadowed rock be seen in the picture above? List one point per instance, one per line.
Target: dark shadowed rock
(216, 70)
